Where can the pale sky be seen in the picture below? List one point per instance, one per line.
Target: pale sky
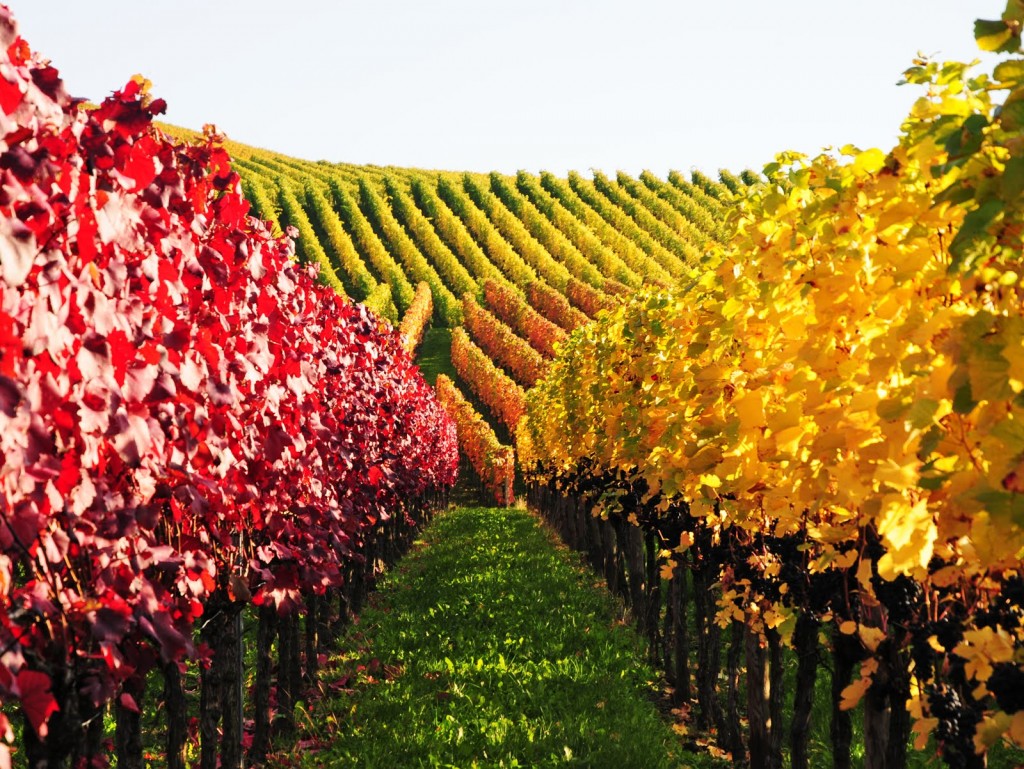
(527, 84)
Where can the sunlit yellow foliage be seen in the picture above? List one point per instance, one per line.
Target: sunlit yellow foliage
(851, 364)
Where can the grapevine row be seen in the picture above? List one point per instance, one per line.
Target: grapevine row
(453, 233)
(177, 432)
(554, 306)
(504, 398)
(370, 246)
(417, 318)
(821, 441)
(545, 233)
(497, 249)
(400, 245)
(448, 266)
(502, 345)
(309, 248)
(684, 251)
(635, 257)
(662, 211)
(704, 219)
(493, 463)
(263, 202)
(695, 192)
(587, 299)
(352, 271)
(715, 190)
(515, 311)
(579, 233)
(618, 220)
(513, 231)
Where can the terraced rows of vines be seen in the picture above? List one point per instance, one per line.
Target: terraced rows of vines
(512, 264)
(781, 416)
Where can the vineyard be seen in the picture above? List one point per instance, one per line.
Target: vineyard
(779, 414)
(512, 264)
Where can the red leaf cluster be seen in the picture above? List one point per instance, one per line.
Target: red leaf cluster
(184, 412)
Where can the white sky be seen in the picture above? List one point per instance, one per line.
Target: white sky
(526, 84)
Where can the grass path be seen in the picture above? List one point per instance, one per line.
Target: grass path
(489, 646)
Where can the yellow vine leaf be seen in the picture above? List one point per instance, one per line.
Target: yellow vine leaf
(983, 647)
(990, 730)
(871, 637)
(922, 729)
(909, 533)
(1016, 730)
(854, 693)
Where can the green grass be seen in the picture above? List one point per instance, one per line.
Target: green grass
(435, 355)
(489, 646)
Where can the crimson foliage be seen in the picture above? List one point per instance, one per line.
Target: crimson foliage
(184, 410)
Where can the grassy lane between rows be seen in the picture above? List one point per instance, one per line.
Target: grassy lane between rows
(490, 646)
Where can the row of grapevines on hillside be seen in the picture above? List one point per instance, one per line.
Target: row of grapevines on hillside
(483, 231)
(452, 232)
(346, 264)
(358, 280)
(492, 462)
(545, 233)
(448, 266)
(513, 232)
(399, 244)
(493, 387)
(613, 288)
(588, 300)
(733, 183)
(417, 318)
(689, 207)
(263, 201)
(554, 306)
(301, 169)
(515, 311)
(273, 167)
(618, 220)
(502, 345)
(310, 251)
(366, 247)
(712, 188)
(579, 233)
(635, 257)
(673, 219)
(695, 191)
(373, 251)
(382, 302)
(677, 243)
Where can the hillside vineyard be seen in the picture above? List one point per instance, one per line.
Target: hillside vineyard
(687, 370)
(780, 414)
(516, 262)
